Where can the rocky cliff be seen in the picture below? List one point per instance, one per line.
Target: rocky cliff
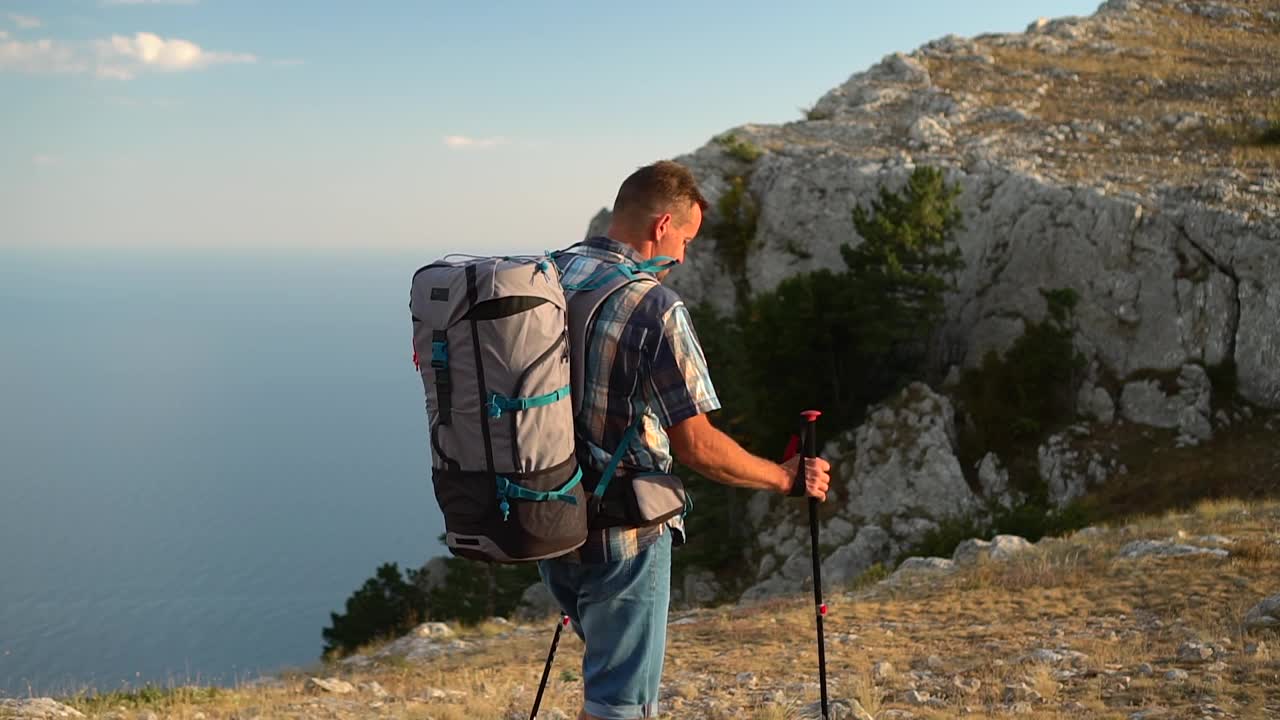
(1109, 154)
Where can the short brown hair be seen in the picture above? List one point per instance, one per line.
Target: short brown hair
(663, 187)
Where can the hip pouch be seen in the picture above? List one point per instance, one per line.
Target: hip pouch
(633, 498)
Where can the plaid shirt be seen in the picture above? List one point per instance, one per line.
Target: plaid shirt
(643, 358)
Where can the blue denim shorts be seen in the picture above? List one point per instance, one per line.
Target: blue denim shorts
(619, 609)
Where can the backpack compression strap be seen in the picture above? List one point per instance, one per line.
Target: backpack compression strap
(508, 489)
(627, 438)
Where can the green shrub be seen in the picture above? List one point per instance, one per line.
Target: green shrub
(870, 576)
(740, 149)
(1034, 519)
(147, 696)
(812, 113)
(735, 232)
(1270, 135)
(942, 540)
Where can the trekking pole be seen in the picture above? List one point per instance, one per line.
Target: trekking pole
(810, 450)
(546, 670)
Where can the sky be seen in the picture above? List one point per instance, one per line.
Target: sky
(399, 125)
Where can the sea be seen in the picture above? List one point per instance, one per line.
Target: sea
(202, 456)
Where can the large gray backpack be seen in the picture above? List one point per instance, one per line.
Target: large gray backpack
(499, 349)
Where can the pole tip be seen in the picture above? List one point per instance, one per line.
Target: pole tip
(811, 415)
(564, 620)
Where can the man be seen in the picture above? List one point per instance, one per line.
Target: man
(644, 358)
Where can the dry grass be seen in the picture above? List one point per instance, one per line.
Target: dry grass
(981, 624)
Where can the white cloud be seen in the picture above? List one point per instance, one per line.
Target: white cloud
(44, 160)
(464, 142)
(39, 57)
(117, 58)
(25, 22)
(123, 57)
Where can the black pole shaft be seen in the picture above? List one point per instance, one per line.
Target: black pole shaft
(811, 451)
(546, 669)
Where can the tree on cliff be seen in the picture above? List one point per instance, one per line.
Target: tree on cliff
(839, 340)
(386, 605)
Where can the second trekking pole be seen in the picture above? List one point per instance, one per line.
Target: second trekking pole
(546, 670)
(809, 451)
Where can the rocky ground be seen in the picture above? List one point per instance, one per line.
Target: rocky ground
(1170, 617)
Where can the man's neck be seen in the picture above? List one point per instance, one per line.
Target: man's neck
(618, 235)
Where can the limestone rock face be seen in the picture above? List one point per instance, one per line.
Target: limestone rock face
(1151, 297)
(905, 462)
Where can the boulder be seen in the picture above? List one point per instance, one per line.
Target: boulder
(923, 566)
(1001, 547)
(1264, 616)
(871, 546)
(700, 588)
(929, 132)
(333, 686)
(993, 480)
(536, 602)
(37, 709)
(1161, 548)
(1069, 468)
(1095, 403)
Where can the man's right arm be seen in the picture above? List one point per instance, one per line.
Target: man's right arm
(701, 446)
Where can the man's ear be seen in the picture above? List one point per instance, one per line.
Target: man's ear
(661, 225)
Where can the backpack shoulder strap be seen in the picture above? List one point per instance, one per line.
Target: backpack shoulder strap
(584, 308)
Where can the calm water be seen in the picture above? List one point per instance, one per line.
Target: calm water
(200, 459)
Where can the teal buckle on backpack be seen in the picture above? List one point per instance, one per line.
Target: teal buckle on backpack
(499, 403)
(508, 489)
(439, 355)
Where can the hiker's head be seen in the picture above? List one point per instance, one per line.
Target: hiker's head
(658, 210)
